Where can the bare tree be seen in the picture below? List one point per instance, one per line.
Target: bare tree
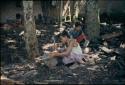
(92, 19)
(72, 9)
(76, 7)
(61, 9)
(30, 31)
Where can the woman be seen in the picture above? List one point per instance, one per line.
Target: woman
(72, 53)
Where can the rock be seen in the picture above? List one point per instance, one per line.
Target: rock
(47, 60)
(51, 62)
(86, 50)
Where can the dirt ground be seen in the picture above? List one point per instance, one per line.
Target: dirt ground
(14, 63)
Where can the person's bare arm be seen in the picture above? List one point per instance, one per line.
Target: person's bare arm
(65, 53)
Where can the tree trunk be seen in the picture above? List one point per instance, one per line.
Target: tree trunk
(30, 31)
(45, 8)
(76, 10)
(61, 9)
(92, 19)
(72, 9)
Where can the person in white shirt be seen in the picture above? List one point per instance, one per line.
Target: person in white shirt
(73, 51)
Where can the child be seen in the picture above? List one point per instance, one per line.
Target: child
(78, 34)
(72, 53)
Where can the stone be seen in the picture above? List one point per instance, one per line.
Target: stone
(47, 60)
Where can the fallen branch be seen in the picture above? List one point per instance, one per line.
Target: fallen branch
(7, 81)
(54, 81)
(107, 50)
(111, 35)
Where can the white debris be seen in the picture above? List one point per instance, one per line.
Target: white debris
(37, 33)
(56, 33)
(122, 45)
(21, 33)
(113, 58)
(104, 23)
(93, 67)
(86, 50)
(106, 49)
(10, 41)
(117, 25)
(61, 29)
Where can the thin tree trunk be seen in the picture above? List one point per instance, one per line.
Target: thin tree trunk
(30, 31)
(72, 9)
(70, 13)
(92, 19)
(76, 12)
(61, 9)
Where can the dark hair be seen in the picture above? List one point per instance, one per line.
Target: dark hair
(63, 34)
(77, 24)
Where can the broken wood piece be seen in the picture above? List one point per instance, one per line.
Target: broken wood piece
(7, 41)
(111, 35)
(95, 67)
(36, 82)
(7, 81)
(54, 81)
(105, 49)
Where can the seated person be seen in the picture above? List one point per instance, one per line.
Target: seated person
(78, 34)
(72, 52)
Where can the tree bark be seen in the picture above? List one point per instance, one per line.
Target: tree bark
(61, 9)
(76, 9)
(72, 9)
(92, 19)
(30, 31)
